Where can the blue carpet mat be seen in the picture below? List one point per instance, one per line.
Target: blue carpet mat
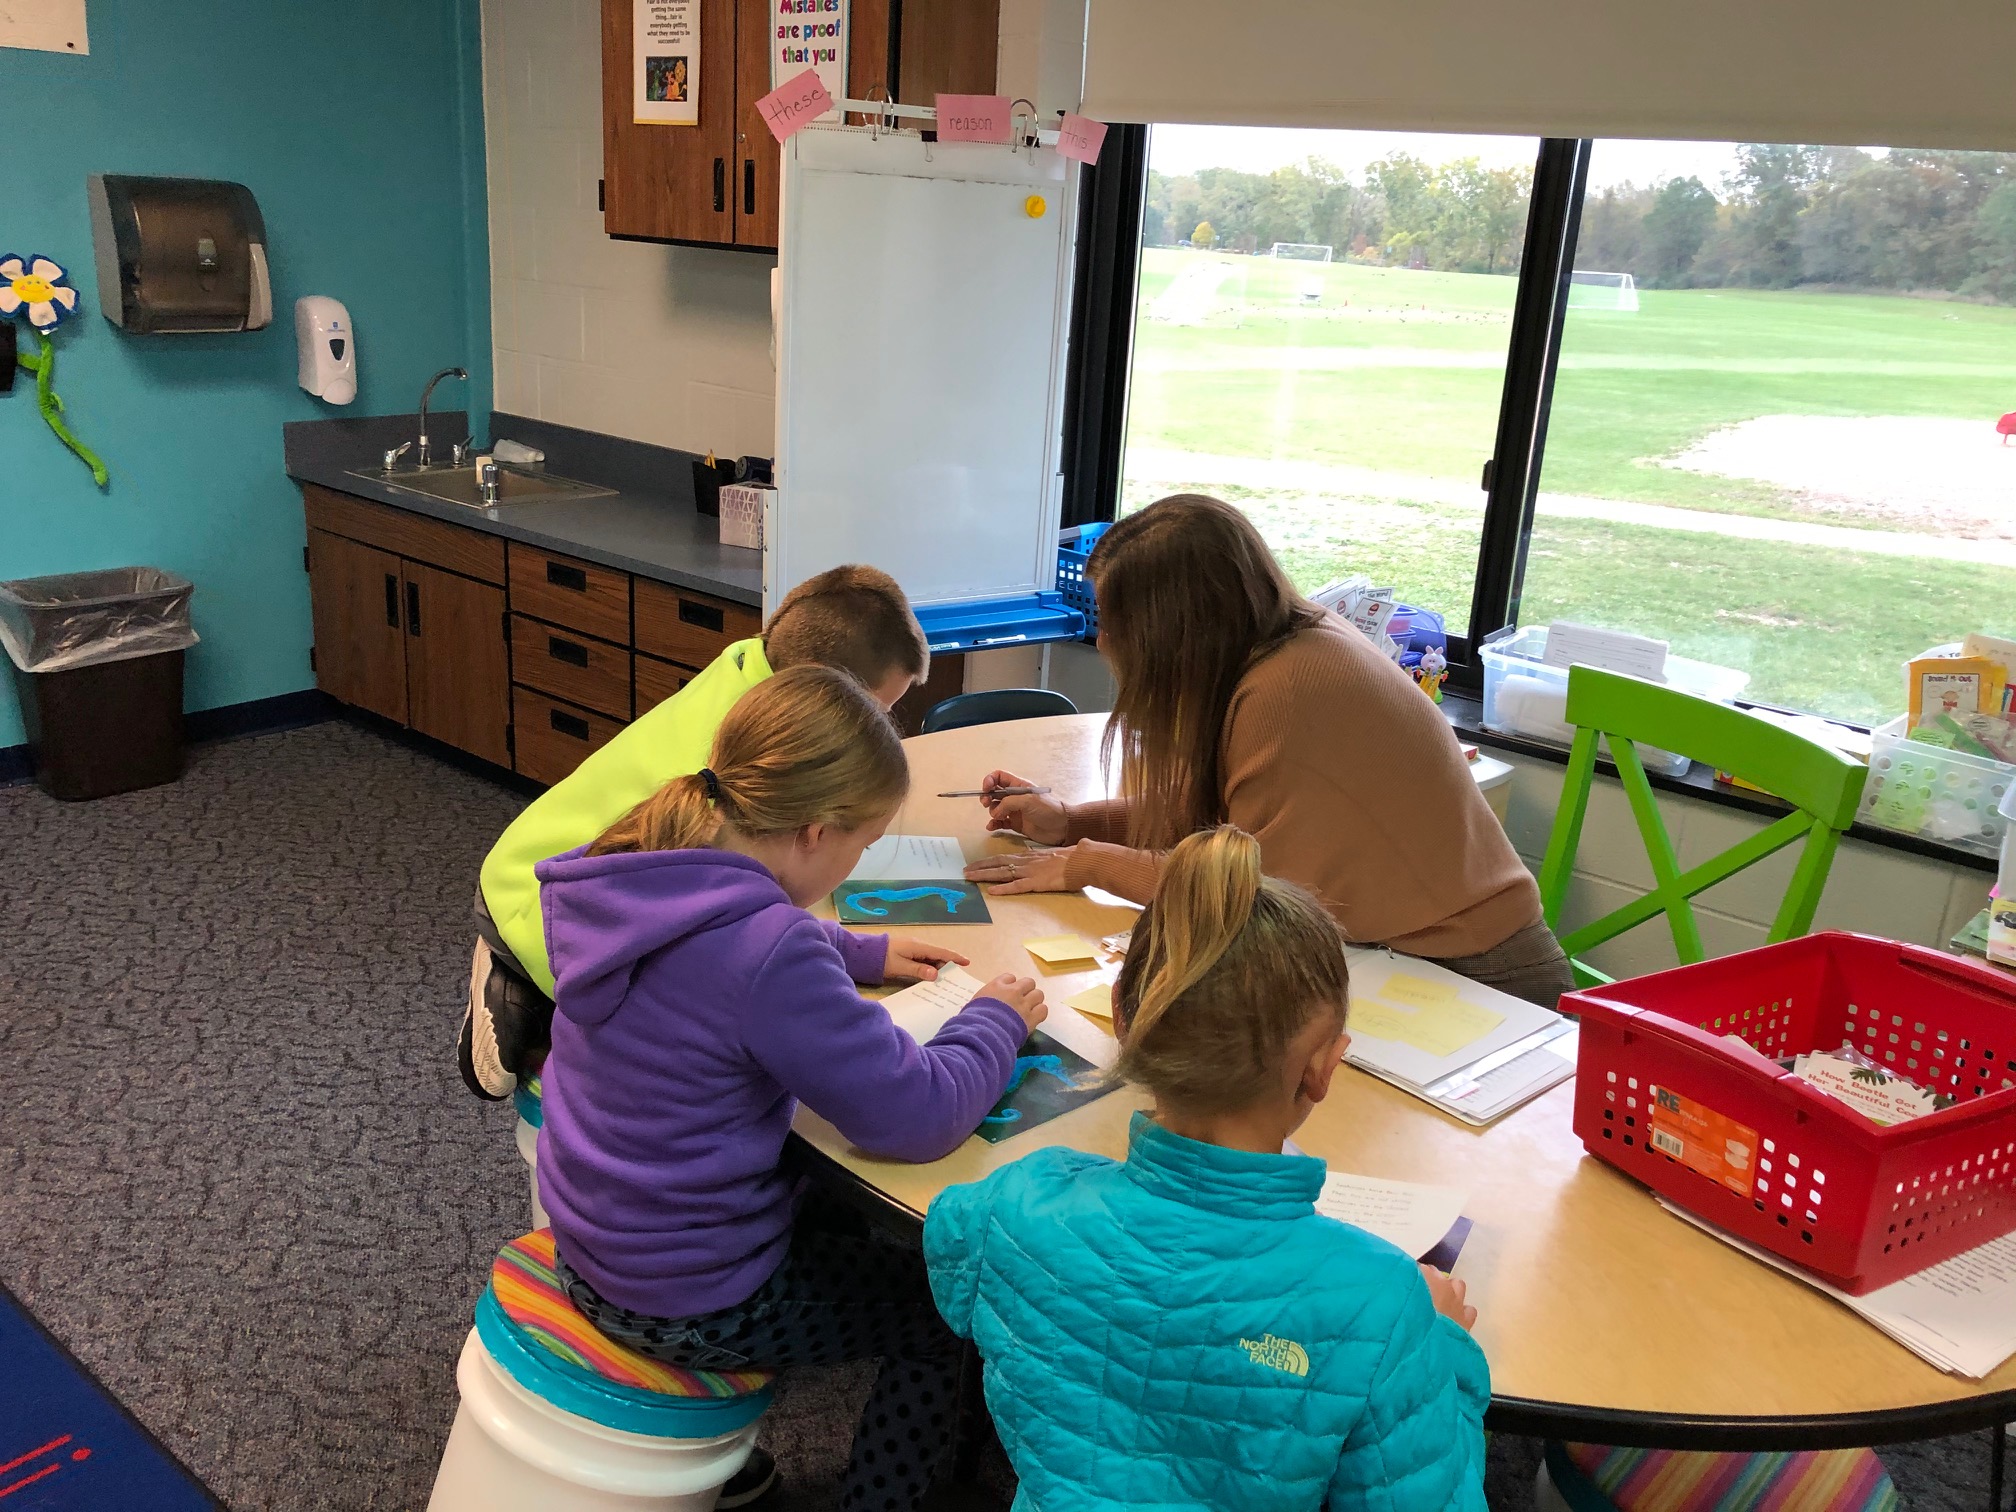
(66, 1445)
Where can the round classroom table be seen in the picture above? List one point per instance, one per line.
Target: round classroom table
(1604, 1318)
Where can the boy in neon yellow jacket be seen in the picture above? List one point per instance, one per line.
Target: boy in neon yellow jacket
(854, 618)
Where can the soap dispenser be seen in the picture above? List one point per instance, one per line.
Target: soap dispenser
(328, 348)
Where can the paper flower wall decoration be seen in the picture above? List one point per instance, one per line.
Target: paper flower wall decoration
(39, 286)
(38, 290)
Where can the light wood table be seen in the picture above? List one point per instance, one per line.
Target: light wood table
(1604, 1317)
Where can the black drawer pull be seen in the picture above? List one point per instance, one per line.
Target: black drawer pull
(392, 599)
(706, 616)
(748, 186)
(568, 724)
(560, 575)
(720, 185)
(412, 608)
(571, 652)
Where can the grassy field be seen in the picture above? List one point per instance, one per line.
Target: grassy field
(1400, 371)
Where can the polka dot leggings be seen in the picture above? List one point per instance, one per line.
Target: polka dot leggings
(838, 1296)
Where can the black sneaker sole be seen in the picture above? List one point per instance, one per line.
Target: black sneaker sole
(744, 1496)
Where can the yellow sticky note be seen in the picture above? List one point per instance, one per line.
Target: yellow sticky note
(1060, 950)
(1095, 1002)
(1418, 992)
(1438, 1028)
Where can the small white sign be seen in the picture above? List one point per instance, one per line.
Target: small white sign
(1573, 645)
(44, 25)
(810, 34)
(665, 63)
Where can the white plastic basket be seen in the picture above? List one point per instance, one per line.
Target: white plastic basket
(742, 510)
(1926, 790)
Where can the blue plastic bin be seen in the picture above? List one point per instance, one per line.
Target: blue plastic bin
(1074, 549)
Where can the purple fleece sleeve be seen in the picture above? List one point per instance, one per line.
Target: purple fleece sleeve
(867, 956)
(844, 1057)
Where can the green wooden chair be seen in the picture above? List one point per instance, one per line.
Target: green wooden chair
(1822, 786)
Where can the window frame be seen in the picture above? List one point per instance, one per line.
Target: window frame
(1100, 362)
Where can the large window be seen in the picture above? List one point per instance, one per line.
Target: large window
(1758, 419)
(1320, 337)
(1781, 454)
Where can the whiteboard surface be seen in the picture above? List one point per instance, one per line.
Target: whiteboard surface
(921, 327)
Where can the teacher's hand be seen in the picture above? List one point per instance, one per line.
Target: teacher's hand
(1023, 871)
(1037, 815)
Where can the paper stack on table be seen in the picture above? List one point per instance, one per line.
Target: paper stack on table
(1470, 1050)
(923, 1009)
(911, 858)
(1413, 1218)
(1959, 1315)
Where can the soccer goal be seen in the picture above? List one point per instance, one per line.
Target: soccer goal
(1602, 291)
(1303, 251)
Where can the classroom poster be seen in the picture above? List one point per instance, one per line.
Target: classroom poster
(811, 34)
(44, 26)
(665, 68)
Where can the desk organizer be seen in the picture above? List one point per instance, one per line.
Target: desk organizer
(1718, 1128)
(1927, 790)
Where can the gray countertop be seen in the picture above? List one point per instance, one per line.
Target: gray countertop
(648, 526)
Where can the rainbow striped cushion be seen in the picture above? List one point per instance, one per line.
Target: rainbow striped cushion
(529, 1292)
(1666, 1480)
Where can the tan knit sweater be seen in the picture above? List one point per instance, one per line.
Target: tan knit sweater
(1356, 788)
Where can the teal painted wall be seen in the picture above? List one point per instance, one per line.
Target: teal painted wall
(358, 125)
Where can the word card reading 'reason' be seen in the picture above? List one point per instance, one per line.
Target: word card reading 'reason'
(973, 118)
(794, 104)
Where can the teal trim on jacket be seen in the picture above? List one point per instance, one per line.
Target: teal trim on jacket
(1185, 1331)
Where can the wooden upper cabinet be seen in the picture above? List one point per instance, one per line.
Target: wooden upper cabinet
(670, 183)
(759, 160)
(948, 47)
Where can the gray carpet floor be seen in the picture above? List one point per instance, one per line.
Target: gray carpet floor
(239, 1176)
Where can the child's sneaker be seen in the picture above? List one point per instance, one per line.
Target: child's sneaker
(508, 1020)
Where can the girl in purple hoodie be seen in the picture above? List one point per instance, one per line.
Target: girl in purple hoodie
(697, 1002)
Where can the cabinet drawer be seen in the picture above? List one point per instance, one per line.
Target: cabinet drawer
(567, 591)
(689, 628)
(578, 668)
(457, 548)
(657, 681)
(553, 737)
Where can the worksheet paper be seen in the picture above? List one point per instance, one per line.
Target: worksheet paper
(1415, 1022)
(911, 858)
(1959, 1315)
(1409, 1216)
(923, 1009)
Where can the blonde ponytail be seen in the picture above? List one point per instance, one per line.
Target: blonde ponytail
(808, 746)
(1226, 968)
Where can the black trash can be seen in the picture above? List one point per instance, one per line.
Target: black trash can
(98, 665)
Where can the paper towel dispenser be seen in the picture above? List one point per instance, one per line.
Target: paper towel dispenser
(179, 255)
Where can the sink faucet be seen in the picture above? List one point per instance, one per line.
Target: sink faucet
(427, 393)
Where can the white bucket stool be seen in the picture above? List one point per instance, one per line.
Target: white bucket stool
(529, 1099)
(555, 1417)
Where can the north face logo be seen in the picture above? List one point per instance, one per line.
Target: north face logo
(1278, 1354)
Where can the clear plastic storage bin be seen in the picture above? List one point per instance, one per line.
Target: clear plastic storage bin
(1920, 789)
(1524, 696)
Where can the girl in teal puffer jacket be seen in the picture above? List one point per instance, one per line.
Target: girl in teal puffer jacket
(1182, 1330)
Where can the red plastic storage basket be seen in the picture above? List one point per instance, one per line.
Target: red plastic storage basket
(1722, 1131)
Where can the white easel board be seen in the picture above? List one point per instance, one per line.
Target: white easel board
(921, 322)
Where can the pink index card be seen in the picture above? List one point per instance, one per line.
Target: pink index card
(794, 104)
(974, 118)
(1080, 138)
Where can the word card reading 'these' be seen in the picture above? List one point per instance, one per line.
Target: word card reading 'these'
(794, 104)
(973, 118)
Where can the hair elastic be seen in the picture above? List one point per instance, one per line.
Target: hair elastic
(711, 783)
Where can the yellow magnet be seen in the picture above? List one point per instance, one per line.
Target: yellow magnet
(1034, 206)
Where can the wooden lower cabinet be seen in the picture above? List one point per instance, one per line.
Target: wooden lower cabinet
(556, 737)
(458, 671)
(657, 681)
(360, 641)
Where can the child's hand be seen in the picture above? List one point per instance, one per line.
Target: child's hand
(917, 960)
(1020, 993)
(1448, 1294)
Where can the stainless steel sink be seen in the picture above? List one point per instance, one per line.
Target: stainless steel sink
(457, 485)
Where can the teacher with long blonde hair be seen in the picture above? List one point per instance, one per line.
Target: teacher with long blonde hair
(1241, 702)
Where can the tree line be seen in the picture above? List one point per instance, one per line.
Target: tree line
(1905, 220)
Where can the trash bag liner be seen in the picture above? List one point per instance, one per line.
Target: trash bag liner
(81, 619)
